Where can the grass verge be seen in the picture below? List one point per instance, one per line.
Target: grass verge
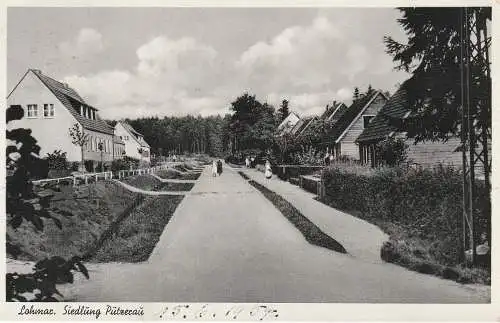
(170, 174)
(177, 187)
(94, 207)
(145, 182)
(138, 234)
(309, 230)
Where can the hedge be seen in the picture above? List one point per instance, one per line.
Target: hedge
(426, 203)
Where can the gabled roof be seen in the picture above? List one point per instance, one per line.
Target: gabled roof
(283, 123)
(135, 134)
(331, 111)
(380, 127)
(307, 123)
(338, 113)
(72, 101)
(342, 120)
(298, 126)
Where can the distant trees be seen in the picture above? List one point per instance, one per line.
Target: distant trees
(370, 90)
(187, 134)
(252, 124)
(283, 110)
(355, 95)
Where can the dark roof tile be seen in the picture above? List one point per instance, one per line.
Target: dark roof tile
(380, 127)
(72, 101)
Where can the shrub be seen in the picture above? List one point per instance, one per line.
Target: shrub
(424, 203)
(308, 156)
(89, 165)
(392, 152)
(124, 163)
(57, 160)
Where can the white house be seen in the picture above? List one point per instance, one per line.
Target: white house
(51, 108)
(135, 145)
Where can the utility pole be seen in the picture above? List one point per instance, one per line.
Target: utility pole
(476, 119)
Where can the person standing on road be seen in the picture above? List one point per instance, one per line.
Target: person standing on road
(219, 167)
(268, 172)
(214, 168)
(327, 159)
(247, 162)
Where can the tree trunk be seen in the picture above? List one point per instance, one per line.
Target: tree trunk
(83, 160)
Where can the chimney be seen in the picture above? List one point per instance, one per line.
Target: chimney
(66, 85)
(36, 71)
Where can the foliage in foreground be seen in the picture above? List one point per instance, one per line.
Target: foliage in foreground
(24, 204)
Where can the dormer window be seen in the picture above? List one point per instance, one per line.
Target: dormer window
(366, 120)
(93, 114)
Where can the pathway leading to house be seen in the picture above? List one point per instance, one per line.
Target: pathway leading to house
(227, 243)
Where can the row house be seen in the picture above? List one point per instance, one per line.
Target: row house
(135, 145)
(384, 125)
(51, 108)
(346, 123)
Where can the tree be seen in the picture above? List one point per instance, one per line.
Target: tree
(79, 138)
(283, 111)
(356, 94)
(432, 55)
(23, 203)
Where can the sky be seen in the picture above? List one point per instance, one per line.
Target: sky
(137, 62)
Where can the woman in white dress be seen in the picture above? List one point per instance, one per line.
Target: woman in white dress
(214, 168)
(269, 172)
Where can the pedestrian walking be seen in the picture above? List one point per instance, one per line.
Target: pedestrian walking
(214, 168)
(219, 167)
(268, 172)
(327, 159)
(247, 162)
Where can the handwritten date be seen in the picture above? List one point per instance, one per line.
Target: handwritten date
(207, 312)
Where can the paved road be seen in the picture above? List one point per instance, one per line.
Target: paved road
(229, 244)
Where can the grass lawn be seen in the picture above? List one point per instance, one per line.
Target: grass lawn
(170, 174)
(138, 234)
(94, 208)
(145, 182)
(174, 187)
(309, 230)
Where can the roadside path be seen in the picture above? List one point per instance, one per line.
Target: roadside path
(361, 239)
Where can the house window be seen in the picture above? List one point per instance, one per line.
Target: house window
(366, 121)
(32, 111)
(48, 110)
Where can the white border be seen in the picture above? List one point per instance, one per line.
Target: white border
(292, 312)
